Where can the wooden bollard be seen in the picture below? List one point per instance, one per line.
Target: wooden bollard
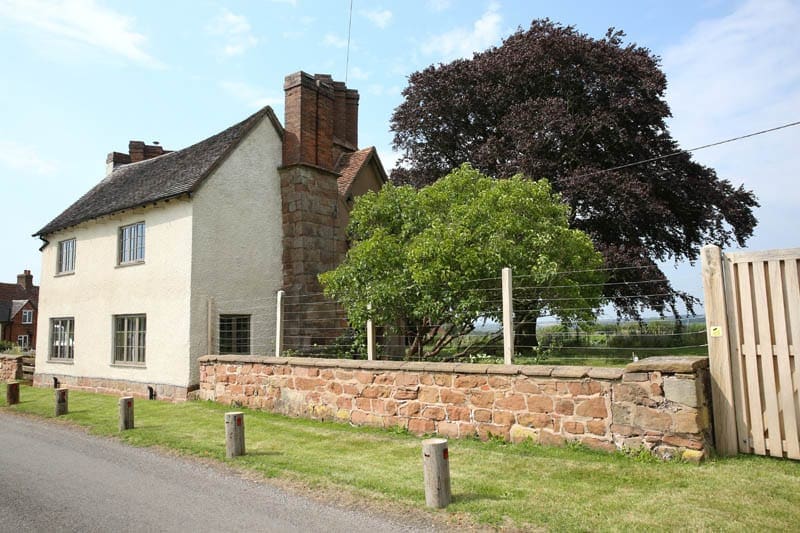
(436, 465)
(126, 413)
(234, 434)
(12, 393)
(62, 406)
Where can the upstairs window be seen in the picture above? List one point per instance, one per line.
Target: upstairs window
(131, 244)
(234, 334)
(27, 316)
(66, 256)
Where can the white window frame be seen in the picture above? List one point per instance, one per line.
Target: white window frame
(235, 341)
(130, 249)
(62, 339)
(130, 339)
(65, 263)
(24, 341)
(27, 316)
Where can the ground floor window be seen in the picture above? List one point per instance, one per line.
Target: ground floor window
(23, 341)
(62, 338)
(129, 338)
(234, 334)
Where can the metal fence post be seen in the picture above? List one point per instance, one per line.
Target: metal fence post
(508, 317)
(279, 324)
(370, 335)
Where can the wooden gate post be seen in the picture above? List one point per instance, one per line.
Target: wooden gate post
(61, 401)
(719, 352)
(126, 413)
(234, 434)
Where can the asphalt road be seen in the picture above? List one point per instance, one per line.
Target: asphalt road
(56, 478)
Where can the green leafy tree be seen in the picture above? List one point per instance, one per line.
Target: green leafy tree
(428, 261)
(553, 103)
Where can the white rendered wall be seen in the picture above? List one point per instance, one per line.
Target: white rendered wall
(100, 289)
(237, 252)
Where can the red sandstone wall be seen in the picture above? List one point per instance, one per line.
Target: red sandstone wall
(10, 368)
(659, 404)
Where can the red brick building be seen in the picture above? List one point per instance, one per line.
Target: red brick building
(19, 304)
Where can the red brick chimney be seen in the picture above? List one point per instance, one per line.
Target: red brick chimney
(321, 120)
(25, 280)
(137, 151)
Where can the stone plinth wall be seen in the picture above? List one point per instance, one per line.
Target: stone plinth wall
(10, 367)
(114, 386)
(661, 404)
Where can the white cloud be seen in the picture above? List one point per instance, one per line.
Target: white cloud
(736, 75)
(252, 96)
(23, 158)
(334, 40)
(81, 21)
(462, 42)
(358, 74)
(236, 31)
(439, 5)
(379, 17)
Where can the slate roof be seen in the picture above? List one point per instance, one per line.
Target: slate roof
(12, 291)
(16, 306)
(350, 164)
(5, 311)
(163, 177)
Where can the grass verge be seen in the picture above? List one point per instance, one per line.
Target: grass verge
(497, 484)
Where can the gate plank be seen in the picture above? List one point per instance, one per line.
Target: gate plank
(793, 308)
(772, 414)
(751, 360)
(785, 386)
(737, 357)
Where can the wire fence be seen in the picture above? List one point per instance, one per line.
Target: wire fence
(552, 323)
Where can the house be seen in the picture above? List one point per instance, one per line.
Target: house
(18, 311)
(179, 254)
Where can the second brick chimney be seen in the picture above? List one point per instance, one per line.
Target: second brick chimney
(25, 280)
(137, 151)
(321, 120)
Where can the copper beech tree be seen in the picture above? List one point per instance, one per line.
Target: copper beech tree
(553, 103)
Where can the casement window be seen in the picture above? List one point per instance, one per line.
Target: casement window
(131, 244)
(62, 338)
(234, 334)
(23, 341)
(66, 256)
(27, 316)
(129, 339)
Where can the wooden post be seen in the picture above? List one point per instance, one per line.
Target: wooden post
(279, 324)
(370, 335)
(436, 468)
(12, 393)
(126, 413)
(62, 401)
(719, 352)
(234, 434)
(508, 317)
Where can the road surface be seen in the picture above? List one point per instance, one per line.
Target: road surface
(56, 478)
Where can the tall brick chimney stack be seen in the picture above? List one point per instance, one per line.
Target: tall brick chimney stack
(137, 151)
(25, 280)
(321, 120)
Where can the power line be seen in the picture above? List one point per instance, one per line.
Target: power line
(679, 152)
(349, 25)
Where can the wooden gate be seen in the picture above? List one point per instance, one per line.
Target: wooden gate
(752, 303)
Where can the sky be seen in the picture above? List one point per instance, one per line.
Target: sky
(81, 78)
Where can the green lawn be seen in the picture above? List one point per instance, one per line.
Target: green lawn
(516, 486)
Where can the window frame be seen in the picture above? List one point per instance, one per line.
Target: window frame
(234, 345)
(66, 344)
(29, 314)
(65, 262)
(131, 244)
(129, 340)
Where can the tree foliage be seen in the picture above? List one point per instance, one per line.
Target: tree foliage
(553, 103)
(429, 261)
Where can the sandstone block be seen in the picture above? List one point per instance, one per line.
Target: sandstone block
(519, 434)
(469, 381)
(503, 418)
(652, 419)
(429, 394)
(576, 428)
(526, 386)
(482, 399)
(693, 456)
(551, 439)
(458, 413)
(434, 413)
(513, 402)
(565, 407)
(421, 426)
(683, 391)
(536, 420)
(594, 407)
(482, 415)
(540, 404)
(452, 396)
